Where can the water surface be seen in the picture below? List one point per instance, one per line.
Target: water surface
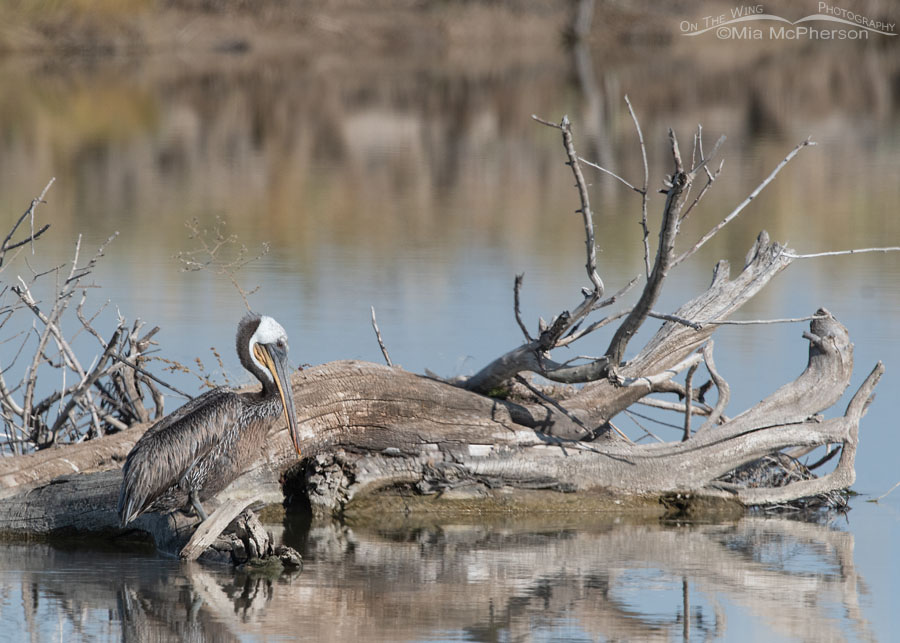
(583, 578)
(422, 190)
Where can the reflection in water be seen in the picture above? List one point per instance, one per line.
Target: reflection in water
(554, 578)
(379, 183)
(422, 189)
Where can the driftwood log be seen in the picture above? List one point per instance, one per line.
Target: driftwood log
(378, 436)
(367, 428)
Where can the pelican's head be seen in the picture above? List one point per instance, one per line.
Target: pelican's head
(263, 342)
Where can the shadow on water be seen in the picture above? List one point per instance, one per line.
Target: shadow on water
(497, 579)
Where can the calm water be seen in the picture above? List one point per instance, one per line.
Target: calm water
(422, 191)
(549, 579)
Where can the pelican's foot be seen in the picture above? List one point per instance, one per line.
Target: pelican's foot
(195, 503)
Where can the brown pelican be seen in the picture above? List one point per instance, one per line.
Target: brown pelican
(195, 452)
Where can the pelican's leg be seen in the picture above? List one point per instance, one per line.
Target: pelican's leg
(195, 502)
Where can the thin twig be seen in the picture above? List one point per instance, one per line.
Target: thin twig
(656, 421)
(676, 319)
(617, 430)
(546, 122)
(677, 407)
(743, 204)
(642, 428)
(29, 213)
(831, 453)
(600, 323)
(153, 377)
(610, 173)
(756, 322)
(700, 324)
(644, 190)
(664, 253)
(704, 160)
(609, 301)
(688, 395)
(709, 181)
(85, 385)
(384, 351)
(586, 213)
(213, 245)
(724, 391)
(517, 288)
(559, 407)
(886, 493)
(835, 253)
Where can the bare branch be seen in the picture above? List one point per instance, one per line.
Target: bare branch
(384, 351)
(586, 214)
(699, 325)
(546, 122)
(644, 189)
(721, 385)
(650, 381)
(212, 252)
(517, 288)
(710, 177)
(668, 230)
(886, 493)
(648, 432)
(578, 334)
(688, 395)
(836, 253)
(676, 319)
(29, 213)
(530, 356)
(153, 377)
(612, 174)
(696, 408)
(85, 385)
(758, 322)
(829, 455)
(743, 204)
(549, 400)
(619, 431)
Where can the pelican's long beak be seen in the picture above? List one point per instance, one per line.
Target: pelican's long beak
(277, 363)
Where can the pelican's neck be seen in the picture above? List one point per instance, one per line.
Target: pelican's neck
(246, 329)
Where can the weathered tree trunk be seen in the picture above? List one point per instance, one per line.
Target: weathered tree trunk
(373, 434)
(367, 428)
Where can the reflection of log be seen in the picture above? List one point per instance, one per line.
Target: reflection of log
(581, 573)
(493, 580)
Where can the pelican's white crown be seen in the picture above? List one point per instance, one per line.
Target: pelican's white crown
(269, 331)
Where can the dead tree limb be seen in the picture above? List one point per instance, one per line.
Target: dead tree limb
(721, 386)
(370, 432)
(384, 351)
(87, 403)
(360, 440)
(743, 204)
(8, 244)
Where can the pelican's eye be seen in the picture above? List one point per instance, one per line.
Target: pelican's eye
(281, 344)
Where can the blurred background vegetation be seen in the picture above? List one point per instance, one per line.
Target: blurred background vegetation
(381, 146)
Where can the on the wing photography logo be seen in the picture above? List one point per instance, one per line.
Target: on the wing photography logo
(751, 22)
